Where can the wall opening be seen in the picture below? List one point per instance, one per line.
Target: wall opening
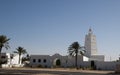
(93, 66)
(57, 62)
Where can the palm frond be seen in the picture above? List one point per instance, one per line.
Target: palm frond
(15, 52)
(21, 50)
(81, 53)
(75, 48)
(4, 41)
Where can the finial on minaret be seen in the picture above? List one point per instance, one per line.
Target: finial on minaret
(90, 31)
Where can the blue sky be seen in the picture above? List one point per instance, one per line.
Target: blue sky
(50, 26)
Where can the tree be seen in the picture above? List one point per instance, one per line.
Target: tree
(74, 49)
(20, 51)
(3, 43)
(26, 58)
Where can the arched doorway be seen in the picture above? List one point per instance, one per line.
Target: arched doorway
(57, 62)
(93, 66)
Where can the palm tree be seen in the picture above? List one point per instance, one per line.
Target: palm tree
(3, 43)
(74, 49)
(20, 51)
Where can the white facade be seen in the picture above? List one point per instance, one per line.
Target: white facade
(15, 59)
(10, 60)
(97, 58)
(69, 61)
(5, 58)
(51, 61)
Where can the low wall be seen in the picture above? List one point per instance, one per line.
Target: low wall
(106, 65)
(101, 65)
(6, 66)
(12, 65)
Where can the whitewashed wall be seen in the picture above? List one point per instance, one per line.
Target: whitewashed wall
(48, 62)
(66, 61)
(11, 62)
(69, 61)
(15, 59)
(106, 65)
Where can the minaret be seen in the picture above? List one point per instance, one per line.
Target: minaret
(90, 44)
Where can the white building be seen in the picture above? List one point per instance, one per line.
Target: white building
(10, 60)
(5, 58)
(55, 60)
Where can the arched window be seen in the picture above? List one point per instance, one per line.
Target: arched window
(44, 60)
(39, 60)
(34, 60)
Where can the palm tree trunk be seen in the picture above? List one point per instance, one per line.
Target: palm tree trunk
(76, 52)
(0, 55)
(19, 58)
(76, 61)
(0, 51)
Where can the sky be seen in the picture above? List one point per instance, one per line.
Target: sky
(50, 26)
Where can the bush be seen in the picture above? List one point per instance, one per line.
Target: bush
(40, 66)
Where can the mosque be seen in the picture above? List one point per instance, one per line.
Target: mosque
(69, 61)
(91, 58)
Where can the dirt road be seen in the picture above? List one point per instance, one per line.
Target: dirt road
(39, 71)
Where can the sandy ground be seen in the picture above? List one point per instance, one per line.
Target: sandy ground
(55, 71)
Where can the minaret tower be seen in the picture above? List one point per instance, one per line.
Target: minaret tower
(90, 44)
